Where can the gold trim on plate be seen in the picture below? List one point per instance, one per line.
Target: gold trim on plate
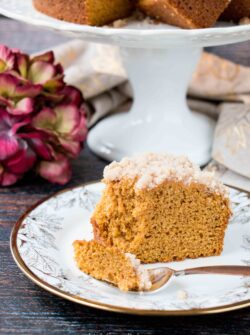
(23, 267)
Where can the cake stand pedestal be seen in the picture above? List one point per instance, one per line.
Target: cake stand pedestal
(160, 120)
(160, 60)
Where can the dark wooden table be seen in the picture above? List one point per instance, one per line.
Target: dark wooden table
(26, 308)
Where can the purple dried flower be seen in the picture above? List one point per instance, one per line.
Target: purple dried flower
(42, 120)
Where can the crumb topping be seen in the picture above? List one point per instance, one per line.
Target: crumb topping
(145, 282)
(152, 169)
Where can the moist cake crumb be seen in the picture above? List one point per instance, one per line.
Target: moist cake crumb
(110, 264)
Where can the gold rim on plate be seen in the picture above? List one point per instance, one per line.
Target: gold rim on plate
(90, 303)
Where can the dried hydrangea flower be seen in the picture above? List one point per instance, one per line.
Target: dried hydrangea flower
(42, 120)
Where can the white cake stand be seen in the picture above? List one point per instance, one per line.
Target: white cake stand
(160, 60)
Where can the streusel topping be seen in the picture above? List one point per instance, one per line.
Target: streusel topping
(152, 169)
(145, 282)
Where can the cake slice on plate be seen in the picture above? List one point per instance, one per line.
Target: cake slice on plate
(111, 265)
(89, 12)
(185, 14)
(161, 208)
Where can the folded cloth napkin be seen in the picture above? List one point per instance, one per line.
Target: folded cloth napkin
(219, 88)
(228, 176)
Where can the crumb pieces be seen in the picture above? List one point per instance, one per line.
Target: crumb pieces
(120, 23)
(136, 16)
(182, 295)
(145, 282)
(244, 21)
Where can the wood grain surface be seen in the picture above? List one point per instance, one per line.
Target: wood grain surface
(27, 309)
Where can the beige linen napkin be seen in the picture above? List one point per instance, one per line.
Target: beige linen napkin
(229, 177)
(219, 88)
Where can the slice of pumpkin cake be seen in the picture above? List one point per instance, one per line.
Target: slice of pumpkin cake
(111, 265)
(161, 208)
(185, 14)
(89, 12)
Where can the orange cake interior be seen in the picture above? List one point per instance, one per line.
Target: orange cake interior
(111, 265)
(185, 14)
(237, 10)
(161, 208)
(89, 12)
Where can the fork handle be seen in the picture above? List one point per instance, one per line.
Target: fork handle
(233, 270)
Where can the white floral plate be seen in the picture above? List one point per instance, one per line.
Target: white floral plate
(41, 244)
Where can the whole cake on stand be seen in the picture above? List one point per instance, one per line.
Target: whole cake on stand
(160, 60)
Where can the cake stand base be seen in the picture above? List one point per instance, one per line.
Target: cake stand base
(160, 120)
